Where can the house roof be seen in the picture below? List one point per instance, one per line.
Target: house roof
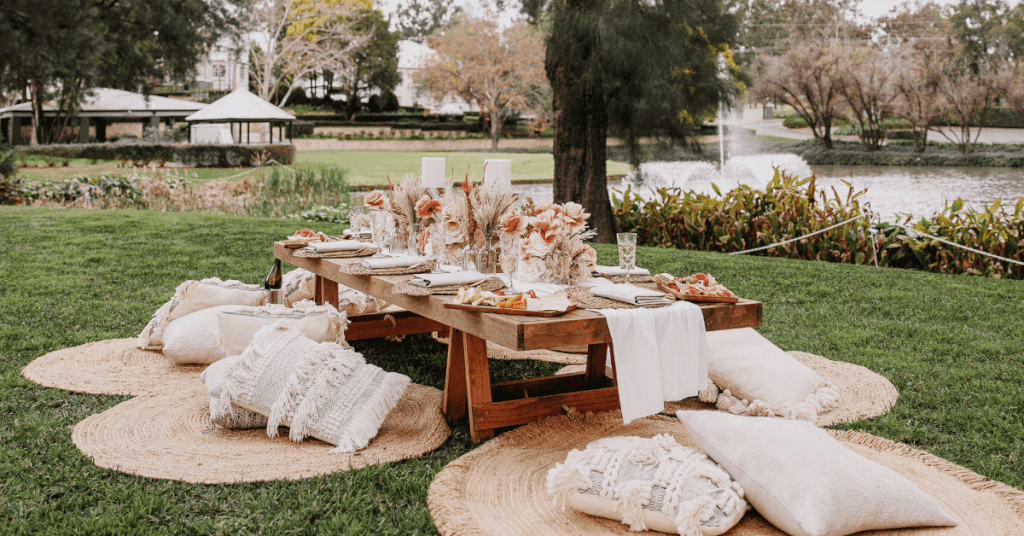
(412, 55)
(105, 101)
(242, 106)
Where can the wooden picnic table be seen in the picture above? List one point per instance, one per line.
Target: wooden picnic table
(468, 390)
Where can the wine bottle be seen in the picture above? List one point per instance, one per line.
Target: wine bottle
(273, 282)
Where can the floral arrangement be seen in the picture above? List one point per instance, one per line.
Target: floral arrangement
(552, 241)
(377, 200)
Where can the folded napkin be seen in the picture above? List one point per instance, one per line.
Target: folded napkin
(468, 278)
(339, 245)
(612, 271)
(630, 294)
(381, 263)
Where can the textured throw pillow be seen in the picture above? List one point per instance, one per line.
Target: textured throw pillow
(805, 482)
(238, 419)
(192, 296)
(322, 323)
(748, 375)
(653, 484)
(323, 390)
(298, 285)
(194, 339)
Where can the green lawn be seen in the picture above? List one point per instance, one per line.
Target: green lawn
(952, 345)
(364, 167)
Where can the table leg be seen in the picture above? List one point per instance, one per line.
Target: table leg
(330, 292)
(478, 382)
(597, 356)
(318, 290)
(454, 402)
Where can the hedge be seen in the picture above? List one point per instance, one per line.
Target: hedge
(302, 128)
(461, 126)
(144, 154)
(383, 118)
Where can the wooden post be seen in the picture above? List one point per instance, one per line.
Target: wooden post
(453, 402)
(271, 132)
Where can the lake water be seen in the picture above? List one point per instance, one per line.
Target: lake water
(920, 191)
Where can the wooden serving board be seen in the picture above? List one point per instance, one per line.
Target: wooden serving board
(501, 311)
(700, 299)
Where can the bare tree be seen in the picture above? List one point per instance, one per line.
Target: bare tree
(868, 90)
(968, 96)
(303, 38)
(808, 78)
(502, 72)
(917, 79)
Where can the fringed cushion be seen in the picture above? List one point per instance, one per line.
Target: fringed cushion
(300, 284)
(805, 482)
(193, 339)
(192, 296)
(324, 390)
(237, 419)
(748, 375)
(322, 323)
(649, 484)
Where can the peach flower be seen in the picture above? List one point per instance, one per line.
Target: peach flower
(427, 208)
(549, 224)
(573, 215)
(513, 223)
(535, 245)
(376, 199)
(531, 269)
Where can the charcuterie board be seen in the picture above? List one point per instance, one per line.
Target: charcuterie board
(506, 311)
(697, 298)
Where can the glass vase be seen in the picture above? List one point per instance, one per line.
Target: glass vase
(469, 255)
(438, 250)
(414, 240)
(487, 257)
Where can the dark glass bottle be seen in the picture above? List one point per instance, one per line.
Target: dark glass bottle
(273, 282)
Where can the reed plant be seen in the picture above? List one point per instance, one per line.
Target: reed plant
(790, 207)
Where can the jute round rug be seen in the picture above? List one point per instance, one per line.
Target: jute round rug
(863, 394)
(169, 437)
(495, 351)
(111, 367)
(499, 488)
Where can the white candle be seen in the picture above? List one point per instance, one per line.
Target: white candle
(498, 170)
(433, 172)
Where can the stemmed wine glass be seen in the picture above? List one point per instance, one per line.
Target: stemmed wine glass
(355, 216)
(509, 255)
(627, 252)
(378, 229)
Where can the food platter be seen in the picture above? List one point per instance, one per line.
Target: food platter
(507, 311)
(698, 298)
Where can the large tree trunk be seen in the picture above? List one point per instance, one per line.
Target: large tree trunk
(581, 132)
(495, 129)
(38, 118)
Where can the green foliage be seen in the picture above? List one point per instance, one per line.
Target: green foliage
(418, 19)
(145, 154)
(795, 121)
(993, 117)
(901, 153)
(10, 185)
(746, 218)
(375, 65)
(100, 191)
(284, 192)
(301, 129)
(323, 213)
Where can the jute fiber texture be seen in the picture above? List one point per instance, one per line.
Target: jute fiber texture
(365, 252)
(355, 268)
(500, 488)
(491, 284)
(111, 367)
(863, 394)
(170, 437)
(583, 298)
(496, 351)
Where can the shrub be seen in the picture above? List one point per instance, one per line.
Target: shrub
(789, 207)
(145, 154)
(302, 129)
(795, 121)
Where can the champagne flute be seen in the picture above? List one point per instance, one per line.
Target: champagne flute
(378, 227)
(509, 255)
(627, 252)
(355, 216)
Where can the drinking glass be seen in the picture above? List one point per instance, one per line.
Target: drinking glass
(378, 227)
(355, 214)
(509, 255)
(627, 252)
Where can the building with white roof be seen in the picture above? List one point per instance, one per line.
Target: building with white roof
(234, 111)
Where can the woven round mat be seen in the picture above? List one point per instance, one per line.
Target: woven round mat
(169, 437)
(357, 269)
(582, 297)
(365, 252)
(863, 394)
(499, 488)
(111, 367)
(496, 351)
(632, 279)
(490, 284)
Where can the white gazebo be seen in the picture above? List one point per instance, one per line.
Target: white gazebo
(239, 108)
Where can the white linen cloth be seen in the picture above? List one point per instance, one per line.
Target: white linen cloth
(660, 355)
(613, 271)
(337, 245)
(467, 278)
(630, 294)
(402, 261)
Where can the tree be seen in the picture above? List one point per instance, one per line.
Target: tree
(496, 70)
(987, 31)
(375, 64)
(968, 95)
(630, 68)
(868, 90)
(917, 76)
(913, 22)
(303, 38)
(418, 19)
(808, 78)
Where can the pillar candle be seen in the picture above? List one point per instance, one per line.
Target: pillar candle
(433, 172)
(498, 170)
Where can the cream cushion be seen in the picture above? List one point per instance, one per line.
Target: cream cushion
(321, 323)
(649, 483)
(298, 285)
(239, 419)
(751, 376)
(193, 339)
(805, 482)
(323, 390)
(192, 296)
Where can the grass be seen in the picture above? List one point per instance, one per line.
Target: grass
(365, 167)
(952, 345)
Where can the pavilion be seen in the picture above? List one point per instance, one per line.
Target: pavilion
(240, 108)
(103, 107)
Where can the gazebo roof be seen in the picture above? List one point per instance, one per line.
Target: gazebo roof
(240, 106)
(106, 100)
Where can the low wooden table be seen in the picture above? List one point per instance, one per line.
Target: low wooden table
(468, 389)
